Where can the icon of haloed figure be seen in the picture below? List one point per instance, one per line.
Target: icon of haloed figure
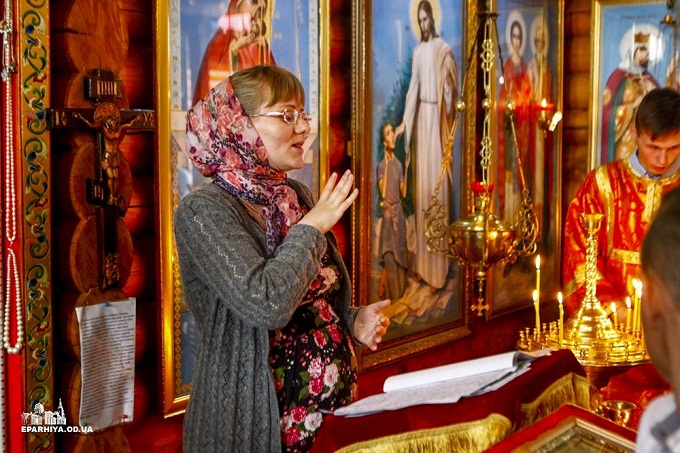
(540, 77)
(625, 88)
(429, 113)
(240, 42)
(515, 96)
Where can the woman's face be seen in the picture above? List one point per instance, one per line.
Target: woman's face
(283, 141)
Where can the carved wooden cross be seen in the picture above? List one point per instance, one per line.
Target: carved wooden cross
(111, 124)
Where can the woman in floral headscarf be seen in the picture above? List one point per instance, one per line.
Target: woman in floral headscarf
(262, 275)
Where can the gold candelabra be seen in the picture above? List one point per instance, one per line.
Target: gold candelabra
(595, 340)
(479, 239)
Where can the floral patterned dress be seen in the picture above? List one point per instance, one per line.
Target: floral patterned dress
(313, 362)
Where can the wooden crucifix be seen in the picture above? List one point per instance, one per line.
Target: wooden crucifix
(111, 125)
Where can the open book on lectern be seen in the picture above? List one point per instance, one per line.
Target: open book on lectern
(507, 361)
(446, 383)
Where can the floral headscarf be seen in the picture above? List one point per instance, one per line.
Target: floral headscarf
(223, 144)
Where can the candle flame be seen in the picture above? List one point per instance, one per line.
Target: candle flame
(637, 284)
(614, 308)
(538, 262)
(544, 103)
(535, 295)
(559, 297)
(628, 302)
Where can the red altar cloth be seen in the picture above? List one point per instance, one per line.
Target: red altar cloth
(639, 385)
(510, 401)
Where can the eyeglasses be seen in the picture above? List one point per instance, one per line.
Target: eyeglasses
(290, 116)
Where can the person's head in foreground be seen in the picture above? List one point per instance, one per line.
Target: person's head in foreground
(660, 259)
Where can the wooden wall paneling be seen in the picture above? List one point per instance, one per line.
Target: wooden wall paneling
(577, 94)
(138, 17)
(68, 89)
(73, 162)
(66, 327)
(577, 57)
(138, 78)
(135, 74)
(88, 34)
(138, 150)
(110, 440)
(141, 283)
(140, 221)
(340, 107)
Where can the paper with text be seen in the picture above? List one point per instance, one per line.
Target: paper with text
(107, 345)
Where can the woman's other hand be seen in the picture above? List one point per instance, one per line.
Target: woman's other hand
(333, 202)
(370, 324)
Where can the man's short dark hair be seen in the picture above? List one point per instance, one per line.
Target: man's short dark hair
(658, 113)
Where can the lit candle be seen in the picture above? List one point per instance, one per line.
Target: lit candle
(561, 324)
(638, 295)
(614, 315)
(628, 313)
(538, 275)
(538, 316)
(636, 300)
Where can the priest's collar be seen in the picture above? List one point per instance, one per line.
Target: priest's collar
(640, 170)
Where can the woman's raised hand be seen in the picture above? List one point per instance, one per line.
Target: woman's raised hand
(335, 199)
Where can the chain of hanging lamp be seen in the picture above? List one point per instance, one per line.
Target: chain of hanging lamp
(501, 243)
(526, 222)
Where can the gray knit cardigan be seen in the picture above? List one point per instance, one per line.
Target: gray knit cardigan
(237, 295)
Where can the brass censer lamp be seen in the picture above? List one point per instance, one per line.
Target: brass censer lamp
(480, 240)
(595, 340)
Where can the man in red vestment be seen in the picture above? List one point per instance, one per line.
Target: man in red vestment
(628, 192)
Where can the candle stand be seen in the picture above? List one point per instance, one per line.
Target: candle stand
(594, 339)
